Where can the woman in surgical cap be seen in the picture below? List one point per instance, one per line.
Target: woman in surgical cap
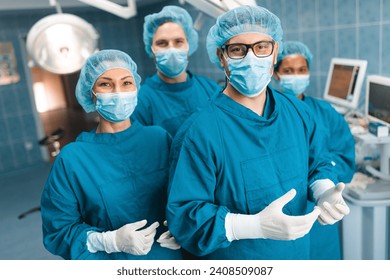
(173, 93)
(105, 196)
(292, 72)
(244, 167)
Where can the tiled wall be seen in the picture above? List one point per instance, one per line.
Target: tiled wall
(19, 133)
(17, 125)
(331, 28)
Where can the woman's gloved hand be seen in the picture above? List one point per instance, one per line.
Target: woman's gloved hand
(271, 222)
(133, 240)
(167, 240)
(130, 238)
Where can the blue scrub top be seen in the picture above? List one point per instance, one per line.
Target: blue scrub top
(340, 141)
(169, 105)
(103, 181)
(325, 240)
(227, 158)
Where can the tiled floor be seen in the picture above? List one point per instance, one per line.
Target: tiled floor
(21, 239)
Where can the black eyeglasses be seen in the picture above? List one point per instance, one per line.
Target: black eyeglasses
(239, 51)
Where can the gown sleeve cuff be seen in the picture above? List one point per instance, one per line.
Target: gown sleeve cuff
(101, 241)
(229, 227)
(318, 187)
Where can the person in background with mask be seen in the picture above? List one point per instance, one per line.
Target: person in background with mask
(244, 166)
(105, 196)
(292, 71)
(172, 94)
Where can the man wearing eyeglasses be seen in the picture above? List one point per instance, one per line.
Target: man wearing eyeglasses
(244, 168)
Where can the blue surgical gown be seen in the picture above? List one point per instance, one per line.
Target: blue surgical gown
(227, 158)
(101, 182)
(340, 142)
(325, 240)
(169, 105)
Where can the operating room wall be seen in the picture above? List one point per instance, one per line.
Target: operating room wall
(19, 134)
(331, 28)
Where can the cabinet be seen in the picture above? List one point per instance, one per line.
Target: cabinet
(365, 231)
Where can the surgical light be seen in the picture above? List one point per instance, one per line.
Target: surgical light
(60, 43)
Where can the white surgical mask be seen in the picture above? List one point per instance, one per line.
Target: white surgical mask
(171, 62)
(294, 84)
(116, 106)
(250, 75)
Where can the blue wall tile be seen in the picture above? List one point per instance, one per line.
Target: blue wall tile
(307, 14)
(3, 134)
(7, 158)
(9, 101)
(385, 10)
(14, 128)
(22, 99)
(310, 39)
(327, 13)
(262, 3)
(347, 42)
(28, 126)
(385, 55)
(327, 48)
(369, 11)
(20, 155)
(290, 16)
(276, 7)
(346, 11)
(369, 47)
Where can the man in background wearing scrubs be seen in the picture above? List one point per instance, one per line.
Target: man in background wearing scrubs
(171, 95)
(244, 166)
(292, 72)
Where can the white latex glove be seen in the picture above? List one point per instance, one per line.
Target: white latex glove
(332, 204)
(271, 222)
(167, 240)
(129, 239)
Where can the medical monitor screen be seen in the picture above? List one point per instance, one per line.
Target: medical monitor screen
(378, 99)
(345, 79)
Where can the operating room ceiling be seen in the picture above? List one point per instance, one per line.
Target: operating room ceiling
(41, 4)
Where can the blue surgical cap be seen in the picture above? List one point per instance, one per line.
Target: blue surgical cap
(243, 19)
(96, 65)
(294, 48)
(170, 14)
